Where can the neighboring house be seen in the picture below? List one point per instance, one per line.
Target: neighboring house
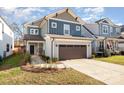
(6, 39)
(106, 33)
(121, 42)
(59, 35)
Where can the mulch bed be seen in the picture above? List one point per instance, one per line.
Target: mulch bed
(40, 70)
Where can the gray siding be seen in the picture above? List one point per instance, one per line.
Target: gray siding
(110, 33)
(101, 32)
(60, 29)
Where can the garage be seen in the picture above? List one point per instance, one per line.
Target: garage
(72, 52)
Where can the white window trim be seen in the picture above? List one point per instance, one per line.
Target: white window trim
(53, 23)
(78, 28)
(37, 32)
(66, 28)
(34, 33)
(103, 29)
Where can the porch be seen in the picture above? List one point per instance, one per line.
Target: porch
(106, 44)
(35, 47)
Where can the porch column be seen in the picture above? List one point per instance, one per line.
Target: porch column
(104, 42)
(38, 49)
(27, 46)
(114, 47)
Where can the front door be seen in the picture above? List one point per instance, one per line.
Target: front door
(32, 49)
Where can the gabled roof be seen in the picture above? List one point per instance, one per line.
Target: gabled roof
(106, 20)
(6, 22)
(45, 18)
(90, 31)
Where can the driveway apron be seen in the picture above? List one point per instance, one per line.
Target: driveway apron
(106, 72)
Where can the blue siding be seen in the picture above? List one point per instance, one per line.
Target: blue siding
(60, 28)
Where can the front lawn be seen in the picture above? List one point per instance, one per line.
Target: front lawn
(11, 73)
(12, 61)
(67, 76)
(113, 59)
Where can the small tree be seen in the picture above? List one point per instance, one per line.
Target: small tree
(17, 31)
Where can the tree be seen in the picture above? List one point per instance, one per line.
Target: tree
(18, 34)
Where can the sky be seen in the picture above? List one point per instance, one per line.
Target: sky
(21, 15)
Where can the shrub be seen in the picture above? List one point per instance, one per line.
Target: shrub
(54, 60)
(107, 53)
(27, 57)
(117, 52)
(93, 55)
(1, 60)
(46, 58)
(122, 52)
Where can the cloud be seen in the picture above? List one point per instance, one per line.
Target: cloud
(92, 14)
(22, 14)
(117, 22)
(94, 10)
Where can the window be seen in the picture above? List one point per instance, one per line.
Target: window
(11, 46)
(101, 45)
(111, 29)
(118, 30)
(31, 31)
(66, 29)
(54, 25)
(7, 47)
(77, 28)
(34, 31)
(105, 29)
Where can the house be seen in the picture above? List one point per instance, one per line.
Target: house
(6, 39)
(106, 33)
(121, 43)
(59, 35)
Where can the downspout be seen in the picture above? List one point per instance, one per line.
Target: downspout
(52, 47)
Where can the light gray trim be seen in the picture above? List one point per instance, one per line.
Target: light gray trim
(65, 20)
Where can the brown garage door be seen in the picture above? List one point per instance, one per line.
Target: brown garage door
(72, 52)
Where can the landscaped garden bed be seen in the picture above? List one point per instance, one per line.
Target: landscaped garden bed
(41, 69)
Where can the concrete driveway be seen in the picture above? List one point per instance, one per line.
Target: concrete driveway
(105, 72)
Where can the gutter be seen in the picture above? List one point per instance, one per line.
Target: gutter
(52, 48)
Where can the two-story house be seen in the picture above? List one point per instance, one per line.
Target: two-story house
(6, 39)
(121, 42)
(106, 33)
(59, 35)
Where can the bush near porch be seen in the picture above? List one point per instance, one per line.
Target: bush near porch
(47, 59)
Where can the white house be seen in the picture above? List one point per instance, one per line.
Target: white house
(6, 39)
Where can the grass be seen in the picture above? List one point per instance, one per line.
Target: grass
(68, 76)
(15, 75)
(113, 59)
(12, 61)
